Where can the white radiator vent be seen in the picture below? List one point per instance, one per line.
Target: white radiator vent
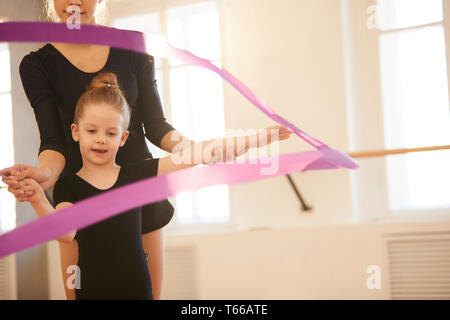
(419, 265)
(8, 283)
(180, 279)
(3, 280)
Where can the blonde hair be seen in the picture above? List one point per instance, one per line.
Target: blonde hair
(104, 89)
(101, 15)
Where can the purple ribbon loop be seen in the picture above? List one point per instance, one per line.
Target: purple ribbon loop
(108, 204)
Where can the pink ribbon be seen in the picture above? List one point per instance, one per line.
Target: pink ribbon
(108, 204)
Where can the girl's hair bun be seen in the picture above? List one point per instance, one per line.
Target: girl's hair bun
(104, 89)
(108, 80)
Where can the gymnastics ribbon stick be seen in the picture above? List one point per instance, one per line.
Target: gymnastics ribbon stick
(108, 204)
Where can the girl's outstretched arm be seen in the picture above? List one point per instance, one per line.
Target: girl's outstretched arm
(220, 150)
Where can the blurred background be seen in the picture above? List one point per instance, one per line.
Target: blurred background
(357, 74)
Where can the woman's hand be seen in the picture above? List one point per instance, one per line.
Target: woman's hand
(19, 172)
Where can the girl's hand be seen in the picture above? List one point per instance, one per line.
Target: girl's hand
(271, 134)
(28, 190)
(263, 138)
(19, 172)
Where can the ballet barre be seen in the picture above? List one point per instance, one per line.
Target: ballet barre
(381, 153)
(366, 154)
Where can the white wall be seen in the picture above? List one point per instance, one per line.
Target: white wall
(326, 262)
(320, 262)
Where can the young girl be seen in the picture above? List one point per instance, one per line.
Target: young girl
(111, 261)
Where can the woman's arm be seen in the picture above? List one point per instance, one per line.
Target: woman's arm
(40, 93)
(53, 163)
(150, 110)
(37, 84)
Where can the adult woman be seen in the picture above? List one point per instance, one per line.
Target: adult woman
(54, 77)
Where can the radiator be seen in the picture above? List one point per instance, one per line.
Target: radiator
(8, 278)
(419, 265)
(180, 278)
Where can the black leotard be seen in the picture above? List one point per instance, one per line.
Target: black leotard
(110, 253)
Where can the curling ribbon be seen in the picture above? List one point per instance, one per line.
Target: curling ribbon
(113, 202)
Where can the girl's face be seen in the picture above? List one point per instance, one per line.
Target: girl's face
(100, 134)
(87, 9)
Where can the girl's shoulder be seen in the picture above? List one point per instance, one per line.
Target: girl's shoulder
(64, 190)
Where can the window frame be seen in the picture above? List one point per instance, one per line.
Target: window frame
(161, 7)
(362, 69)
(5, 196)
(403, 30)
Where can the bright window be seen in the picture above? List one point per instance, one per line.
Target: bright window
(147, 23)
(7, 201)
(415, 102)
(193, 95)
(395, 14)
